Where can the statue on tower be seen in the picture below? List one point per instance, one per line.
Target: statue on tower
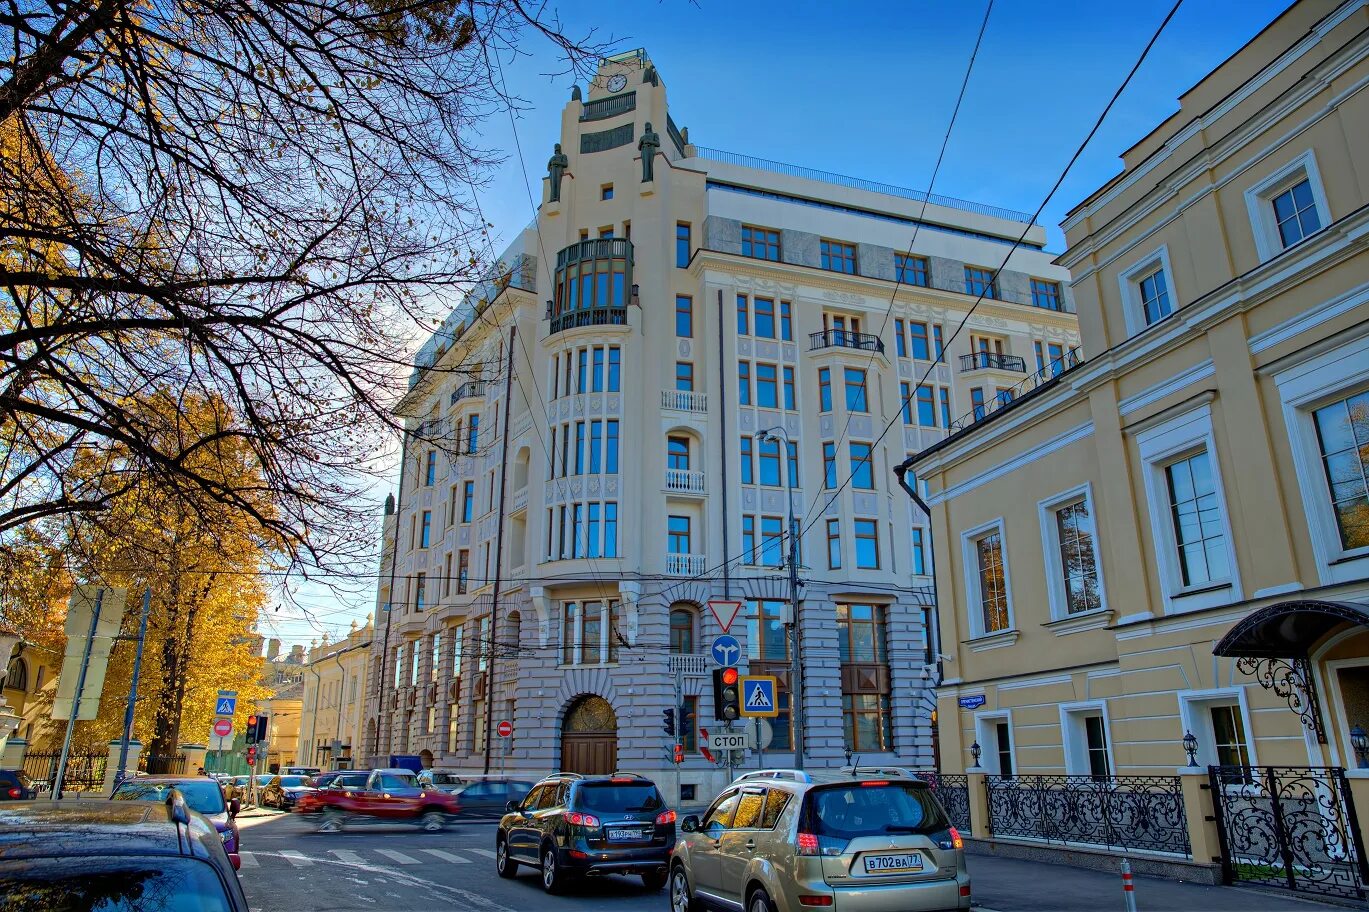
(648, 145)
(556, 168)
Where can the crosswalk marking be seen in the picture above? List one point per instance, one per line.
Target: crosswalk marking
(248, 859)
(398, 857)
(296, 858)
(447, 856)
(488, 853)
(346, 857)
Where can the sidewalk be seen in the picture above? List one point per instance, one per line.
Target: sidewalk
(1012, 885)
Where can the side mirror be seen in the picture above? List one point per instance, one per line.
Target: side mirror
(234, 807)
(511, 806)
(690, 824)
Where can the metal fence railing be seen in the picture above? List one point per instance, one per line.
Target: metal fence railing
(953, 791)
(1123, 812)
(164, 765)
(85, 770)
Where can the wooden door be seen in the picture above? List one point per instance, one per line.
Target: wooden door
(589, 754)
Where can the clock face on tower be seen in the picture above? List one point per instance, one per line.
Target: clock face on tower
(617, 83)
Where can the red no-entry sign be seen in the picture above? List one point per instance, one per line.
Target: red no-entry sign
(505, 729)
(223, 727)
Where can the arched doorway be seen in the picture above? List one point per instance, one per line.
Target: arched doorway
(589, 737)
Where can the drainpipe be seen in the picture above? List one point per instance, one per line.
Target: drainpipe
(722, 422)
(901, 472)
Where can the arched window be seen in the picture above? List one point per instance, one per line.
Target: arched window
(681, 631)
(18, 676)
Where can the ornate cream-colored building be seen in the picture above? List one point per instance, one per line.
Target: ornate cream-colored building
(584, 468)
(1172, 536)
(330, 728)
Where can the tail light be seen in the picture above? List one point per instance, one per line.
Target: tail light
(876, 783)
(575, 818)
(15, 793)
(814, 901)
(808, 844)
(964, 889)
(956, 841)
(949, 839)
(665, 818)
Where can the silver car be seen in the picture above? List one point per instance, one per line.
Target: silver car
(848, 842)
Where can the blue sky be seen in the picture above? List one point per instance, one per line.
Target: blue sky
(867, 89)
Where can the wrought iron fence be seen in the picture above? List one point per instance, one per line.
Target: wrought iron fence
(1125, 812)
(844, 338)
(163, 764)
(1292, 827)
(85, 770)
(953, 791)
(1039, 380)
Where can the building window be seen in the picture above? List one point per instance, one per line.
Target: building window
(989, 580)
(834, 544)
(1155, 304)
(744, 382)
(596, 447)
(743, 320)
(1195, 514)
(1228, 735)
(580, 448)
(682, 631)
(766, 639)
(463, 571)
(910, 270)
(588, 632)
(862, 649)
(677, 535)
(786, 322)
(764, 321)
(937, 347)
(610, 529)
(790, 402)
(1003, 748)
(684, 376)
(684, 316)
(677, 453)
(772, 540)
(861, 634)
(977, 402)
(918, 336)
(838, 257)
(1047, 294)
(905, 404)
(900, 339)
(867, 544)
(682, 244)
(430, 473)
(749, 540)
(611, 447)
(770, 462)
(856, 400)
(1295, 213)
(926, 407)
(1287, 206)
(1343, 444)
(747, 462)
(426, 529)
(792, 461)
(945, 401)
(606, 193)
(467, 501)
(1069, 531)
(420, 601)
(767, 386)
(435, 671)
(829, 465)
(980, 281)
(760, 243)
(615, 366)
(919, 554)
(862, 467)
(825, 389)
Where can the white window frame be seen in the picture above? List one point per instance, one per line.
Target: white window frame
(1303, 388)
(1259, 202)
(1159, 447)
(1129, 280)
(1074, 737)
(974, 597)
(986, 736)
(1050, 542)
(1194, 717)
(605, 633)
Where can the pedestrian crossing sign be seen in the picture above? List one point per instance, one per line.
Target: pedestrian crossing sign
(758, 696)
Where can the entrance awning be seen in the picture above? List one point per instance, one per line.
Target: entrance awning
(1289, 630)
(1272, 645)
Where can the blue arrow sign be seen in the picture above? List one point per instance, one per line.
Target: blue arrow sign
(726, 651)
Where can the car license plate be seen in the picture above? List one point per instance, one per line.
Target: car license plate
(621, 834)
(892, 864)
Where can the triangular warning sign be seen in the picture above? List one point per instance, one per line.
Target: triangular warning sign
(725, 611)
(225, 708)
(758, 699)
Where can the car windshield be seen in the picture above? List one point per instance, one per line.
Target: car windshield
(396, 781)
(855, 809)
(444, 779)
(613, 796)
(111, 885)
(295, 781)
(265, 780)
(203, 795)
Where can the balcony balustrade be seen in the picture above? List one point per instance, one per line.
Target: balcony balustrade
(845, 338)
(689, 666)
(992, 361)
(468, 390)
(684, 401)
(684, 481)
(684, 564)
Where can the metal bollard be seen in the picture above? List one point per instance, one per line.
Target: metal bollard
(1128, 888)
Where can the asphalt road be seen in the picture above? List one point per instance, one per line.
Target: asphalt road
(289, 868)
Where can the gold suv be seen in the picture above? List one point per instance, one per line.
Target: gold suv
(852, 841)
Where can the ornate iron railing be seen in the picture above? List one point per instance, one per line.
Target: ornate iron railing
(85, 771)
(1046, 375)
(953, 791)
(992, 361)
(1123, 812)
(468, 390)
(164, 765)
(604, 108)
(1292, 827)
(595, 316)
(844, 338)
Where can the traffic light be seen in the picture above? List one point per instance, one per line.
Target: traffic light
(251, 729)
(679, 752)
(668, 724)
(726, 694)
(252, 756)
(261, 724)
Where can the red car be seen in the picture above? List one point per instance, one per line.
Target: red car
(341, 781)
(387, 796)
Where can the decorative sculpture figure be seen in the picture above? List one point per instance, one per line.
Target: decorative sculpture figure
(648, 145)
(556, 168)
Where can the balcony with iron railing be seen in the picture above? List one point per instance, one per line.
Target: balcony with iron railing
(845, 338)
(468, 390)
(689, 666)
(992, 361)
(1007, 397)
(684, 481)
(684, 564)
(593, 284)
(604, 108)
(684, 401)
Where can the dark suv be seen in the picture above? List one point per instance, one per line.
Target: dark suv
(572, 826)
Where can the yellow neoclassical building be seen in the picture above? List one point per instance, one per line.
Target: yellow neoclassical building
(1173, 536)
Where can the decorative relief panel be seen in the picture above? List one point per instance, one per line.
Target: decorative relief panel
(596, 405)
(791, 351)
(771, 500)
(685, 348)
(844, 297)
(825, 425)
(768, 349)
(747, 420)
(749, 498)
(615, 405)
(862, 426)
(792, 424)
(744, 346)
(866, 504)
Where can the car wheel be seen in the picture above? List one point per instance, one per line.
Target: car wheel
(433, 822)
(759, 901)
(553, 881)
(681, 893)
(332, 821)
(655, 880)
(503, 864)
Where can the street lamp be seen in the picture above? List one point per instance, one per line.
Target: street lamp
(1191, 748)
(777, 435)
(975, 751)
(1360, 742)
